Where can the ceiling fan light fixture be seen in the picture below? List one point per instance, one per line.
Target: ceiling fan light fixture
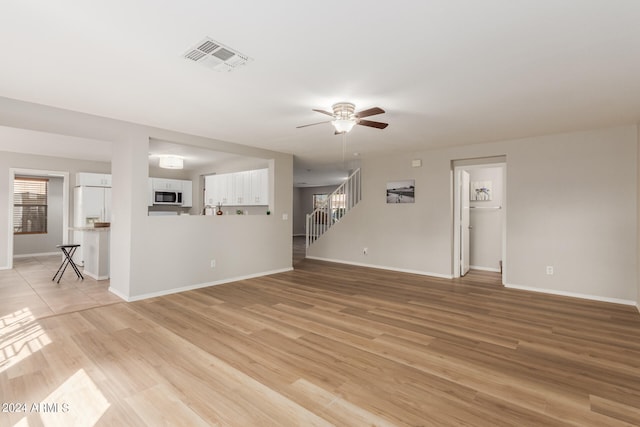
(171, 162)
(343, 125)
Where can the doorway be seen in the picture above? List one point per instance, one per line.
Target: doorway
(61, 218)
(480, 205)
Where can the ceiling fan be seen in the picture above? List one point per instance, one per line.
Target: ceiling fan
(345, 117)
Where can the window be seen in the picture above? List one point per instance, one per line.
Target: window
(30, 205)
(334, 205)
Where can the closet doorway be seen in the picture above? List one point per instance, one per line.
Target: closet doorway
(480, 206)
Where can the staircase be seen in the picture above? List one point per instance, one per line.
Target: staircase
(338, 203)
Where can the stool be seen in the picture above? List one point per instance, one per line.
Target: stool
(68, 251)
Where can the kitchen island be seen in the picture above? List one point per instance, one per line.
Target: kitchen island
(94, 242)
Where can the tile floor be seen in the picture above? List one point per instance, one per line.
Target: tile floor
(28, 286)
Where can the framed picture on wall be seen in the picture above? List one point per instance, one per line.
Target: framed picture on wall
(401, 191)
(480, 191)
(319, 200)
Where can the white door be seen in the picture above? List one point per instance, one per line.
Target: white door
(464, 224)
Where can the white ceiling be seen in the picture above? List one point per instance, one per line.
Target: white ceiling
(447, 72)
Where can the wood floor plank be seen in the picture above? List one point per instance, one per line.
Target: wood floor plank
(327, 344)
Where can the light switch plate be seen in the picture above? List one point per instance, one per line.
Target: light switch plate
(285, 217)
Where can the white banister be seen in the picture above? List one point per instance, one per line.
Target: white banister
(338, 203)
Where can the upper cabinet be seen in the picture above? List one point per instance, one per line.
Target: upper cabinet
(187, 194)
(248, 188)
(93, 179)
(168, 184)
(260, 186)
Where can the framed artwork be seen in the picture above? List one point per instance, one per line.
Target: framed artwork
(319, 200)
(480, 191)
(401, 191)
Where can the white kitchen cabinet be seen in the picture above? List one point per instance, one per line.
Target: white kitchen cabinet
(260, 187)
(217, 190)
(93, 179)
(187, 194)
(240, 194)
(167, 184)
(247, 188)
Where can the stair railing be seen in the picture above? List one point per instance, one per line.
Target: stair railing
(338, 203)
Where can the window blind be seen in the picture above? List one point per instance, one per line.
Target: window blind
(30, 205)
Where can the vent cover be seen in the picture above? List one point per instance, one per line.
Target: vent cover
(215, 55)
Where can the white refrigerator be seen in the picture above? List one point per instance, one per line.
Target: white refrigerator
(90, 205)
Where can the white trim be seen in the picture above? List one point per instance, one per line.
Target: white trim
(93, 276)
(456, 222)
(382, 267)
(476, 267)
(117, 293)
(5, 268)
(10, 196)
(197, 286)
(455, 178)
(38, 254)
(572, 294)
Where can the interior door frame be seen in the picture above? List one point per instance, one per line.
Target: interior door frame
(465, 219)
(65, 204)
(457, 212)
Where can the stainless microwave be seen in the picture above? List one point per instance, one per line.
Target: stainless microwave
(167, 197)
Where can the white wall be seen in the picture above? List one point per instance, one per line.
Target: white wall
(638, 224)
(572, 203)
(486, 222)
(150, 255)
(25, 244)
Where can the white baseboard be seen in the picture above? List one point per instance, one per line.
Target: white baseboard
(197, 286)
(5, 267)
(118, 294)
(95, 276)
(383, 267)
(476, 267)
(38, 254)
(573, 294)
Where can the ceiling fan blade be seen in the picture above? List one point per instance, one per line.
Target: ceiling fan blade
(323, 112)
(370, 112)
(372, 124)
(313, 124)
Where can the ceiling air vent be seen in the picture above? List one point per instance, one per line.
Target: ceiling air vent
(216, 56)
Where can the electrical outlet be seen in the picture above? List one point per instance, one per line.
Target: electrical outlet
(549, 270)
(365, 250)
(213, 263)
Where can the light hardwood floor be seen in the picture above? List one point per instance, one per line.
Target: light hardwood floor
(328, 344)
